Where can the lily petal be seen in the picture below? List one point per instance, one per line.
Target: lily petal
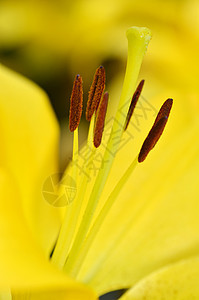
(154, 221)
(24, 268)
(29, 138)
(176, 282)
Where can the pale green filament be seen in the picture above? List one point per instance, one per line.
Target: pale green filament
(85, 176)
(59, 254)
(70, 220)
(75, 145)
(75, 268)
(138, 39)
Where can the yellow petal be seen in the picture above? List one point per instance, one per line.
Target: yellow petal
(176, 282)
(24, 268)
(29, 138)
(155, 219)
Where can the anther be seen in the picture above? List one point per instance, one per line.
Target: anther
(156, 131)
(134, 101)
(76, 101)
(95, 93)
(164, 110)
(99, 124)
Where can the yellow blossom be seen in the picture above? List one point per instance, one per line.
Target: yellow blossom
(149, 238)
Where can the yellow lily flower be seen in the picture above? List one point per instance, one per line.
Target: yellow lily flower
(144, 229)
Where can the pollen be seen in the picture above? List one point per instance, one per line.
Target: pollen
(96, 91)
(76, 102)
(156, 131)
(134, 101)
(99, 124)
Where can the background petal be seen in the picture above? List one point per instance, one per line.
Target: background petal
(24, 268)
(176, 282)
(29, 144)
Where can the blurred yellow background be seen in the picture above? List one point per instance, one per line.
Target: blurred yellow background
(50, 41)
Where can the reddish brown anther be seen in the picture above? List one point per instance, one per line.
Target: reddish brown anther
(156, 131)
(95, 93)
(164, 110)
(76, 101)
(99, 124)
(134, 101)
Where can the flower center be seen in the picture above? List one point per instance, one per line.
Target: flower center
(76, 236)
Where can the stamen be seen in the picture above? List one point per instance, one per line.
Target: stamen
(138, 39)
(99, 125)
(156, 130)
(76, 101)
(134, 101)
(95, 93)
